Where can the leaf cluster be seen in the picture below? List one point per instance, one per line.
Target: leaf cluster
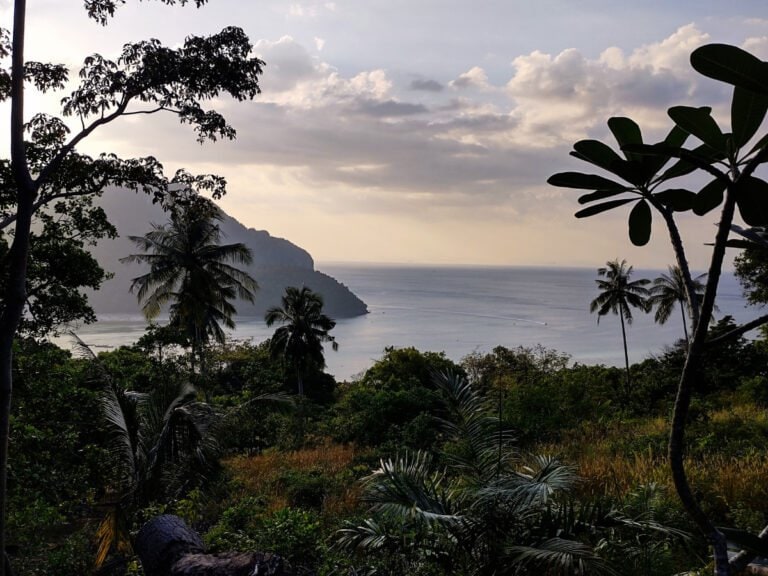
(643, 180)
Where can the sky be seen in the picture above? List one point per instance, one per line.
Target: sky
(422, 131)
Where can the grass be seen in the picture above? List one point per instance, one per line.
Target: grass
(266, 475)
(726, 464)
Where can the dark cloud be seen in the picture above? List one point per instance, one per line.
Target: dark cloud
(390, 108)
(426, 85)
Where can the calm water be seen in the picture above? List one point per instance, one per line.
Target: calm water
(460, 310)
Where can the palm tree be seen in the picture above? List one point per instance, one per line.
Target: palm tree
(300, 340)
(190, 269)
(619, 295)
(668, 291)
(160, 442)
(470, 512)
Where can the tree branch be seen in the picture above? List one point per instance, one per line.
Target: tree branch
(736, 332)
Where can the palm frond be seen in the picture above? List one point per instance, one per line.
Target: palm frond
(408, 487)
(560, 556)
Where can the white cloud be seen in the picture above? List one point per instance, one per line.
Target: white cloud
(319, 43)
(757, 45)
(473, 78)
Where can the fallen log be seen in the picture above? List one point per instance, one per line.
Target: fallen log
(166, 546)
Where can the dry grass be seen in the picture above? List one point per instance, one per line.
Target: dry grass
(615, 459)
(261, 475)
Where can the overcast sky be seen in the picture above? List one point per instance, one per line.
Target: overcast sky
(423, 131)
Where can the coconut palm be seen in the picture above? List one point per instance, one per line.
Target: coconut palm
(299, 341)
(668, 290)
(190, 270)
(618, 295)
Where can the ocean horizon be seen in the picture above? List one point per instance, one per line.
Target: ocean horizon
(464, 309)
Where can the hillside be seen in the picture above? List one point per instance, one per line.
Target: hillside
(277, 263)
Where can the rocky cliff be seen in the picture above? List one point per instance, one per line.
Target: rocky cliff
(277, 263)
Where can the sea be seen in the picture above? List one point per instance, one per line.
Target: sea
(459, 310)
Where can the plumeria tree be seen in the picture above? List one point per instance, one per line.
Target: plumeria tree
(645, 177)
(46, 168)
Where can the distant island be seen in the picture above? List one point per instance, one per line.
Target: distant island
(277, 263)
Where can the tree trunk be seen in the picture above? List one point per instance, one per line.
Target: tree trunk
(626, 355)
(689, 379)
(14, 294)
(166, 546)
(685, 322)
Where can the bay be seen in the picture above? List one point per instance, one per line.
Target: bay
(459, 310)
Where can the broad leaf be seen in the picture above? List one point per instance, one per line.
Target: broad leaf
(699, 123)
(700, 156)
(677, 199)
(675, 139)
(599, 195)
(640, 224)
(741, 244)
(626, 131)
(762, 143)
(731, 65)
(592, 210)
(584, 181)
(747, 113)
(752, 200)
(709, 197)
(599, 154)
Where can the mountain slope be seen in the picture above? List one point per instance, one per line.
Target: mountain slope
(277, 263)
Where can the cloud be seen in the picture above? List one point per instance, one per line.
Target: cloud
(426, 85)
(559, 97)
(473, 78)
(319, 43)
(757, 45)
(372, 141)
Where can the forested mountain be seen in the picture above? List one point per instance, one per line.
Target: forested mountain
(277, 263)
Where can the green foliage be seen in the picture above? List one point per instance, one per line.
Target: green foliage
(60, 266)
(246, 526)
(392, 404)
(191, 269)
(487, 511)
(751, 268)
(303, 330)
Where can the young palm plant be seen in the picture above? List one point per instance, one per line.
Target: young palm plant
(160, 442)
(479, 514)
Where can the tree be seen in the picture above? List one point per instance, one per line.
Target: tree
(45, 166)
(300, 340)
(158, 441)
(668, 291)
(619, 295)
(730, 159)
(60, 265)
(751, 265)
(189, 268)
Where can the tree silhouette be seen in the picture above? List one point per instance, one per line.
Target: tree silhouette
(189, 268)
(668, 291)
(45, 167)
(730, 159)
(619, 295)
(300, 340)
